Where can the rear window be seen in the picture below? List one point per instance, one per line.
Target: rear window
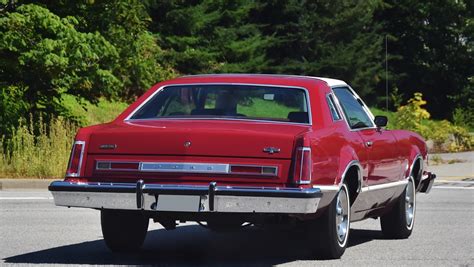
(227, 101)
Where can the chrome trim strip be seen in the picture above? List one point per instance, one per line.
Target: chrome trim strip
(76, 174)
(360, 178)
(187, 167)
(384, 186)
(327, 188)
(184, 167)
(308, 102)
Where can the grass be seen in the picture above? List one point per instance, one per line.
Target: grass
(390, 115)
(265, 109)
(437, 160)
(45, 153)
(90, 114)
(37, 156)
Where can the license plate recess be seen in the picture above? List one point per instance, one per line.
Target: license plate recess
(184, 203)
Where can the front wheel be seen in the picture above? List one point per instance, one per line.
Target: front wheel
(123, 230)
(398, 223)
(332, 228)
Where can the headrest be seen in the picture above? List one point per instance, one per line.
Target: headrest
(298, 116)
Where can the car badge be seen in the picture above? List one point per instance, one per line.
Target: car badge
(187, 144)
(108, 146)
(271, 150)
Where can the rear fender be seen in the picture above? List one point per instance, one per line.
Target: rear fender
(348, 159)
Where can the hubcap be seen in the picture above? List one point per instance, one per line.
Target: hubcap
(342, 215)
(410, 203)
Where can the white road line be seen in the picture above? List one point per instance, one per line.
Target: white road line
(453, 187)
(26, 198)
(453, 182)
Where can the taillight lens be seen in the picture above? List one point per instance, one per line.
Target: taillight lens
(75, 161)
(302, 168)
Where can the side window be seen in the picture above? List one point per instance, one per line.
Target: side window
(355, 114)
(332, 107)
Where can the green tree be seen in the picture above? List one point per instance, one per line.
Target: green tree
(431, 48)
(124, 24)
(210, 36)
(44, 56)
(325, 38)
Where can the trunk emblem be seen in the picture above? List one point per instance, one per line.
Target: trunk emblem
(187, 144)
(108, 146)
(271, 150)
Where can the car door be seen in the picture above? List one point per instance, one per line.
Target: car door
(380, 145)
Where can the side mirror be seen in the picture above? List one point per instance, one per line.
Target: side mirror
(381, 121)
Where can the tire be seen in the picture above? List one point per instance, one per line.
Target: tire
(123, 230)
(332, 229)
(399, 221)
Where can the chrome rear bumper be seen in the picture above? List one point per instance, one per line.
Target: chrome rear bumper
(186, 198)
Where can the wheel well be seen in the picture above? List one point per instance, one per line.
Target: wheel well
(351, 179)
(416, 172)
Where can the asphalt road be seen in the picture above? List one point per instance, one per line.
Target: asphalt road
(34, 231)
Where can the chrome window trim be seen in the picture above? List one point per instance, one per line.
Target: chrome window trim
(81, 156)
(364, 108)
(222, 119)
(308, 102)
(330, 101)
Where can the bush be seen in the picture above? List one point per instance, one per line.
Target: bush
(445, 135)
(411, 116)
(41, 155)
(464, 117)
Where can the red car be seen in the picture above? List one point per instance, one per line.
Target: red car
(229, 150)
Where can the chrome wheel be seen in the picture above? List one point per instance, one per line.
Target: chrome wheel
(342, 216)
(410, 203)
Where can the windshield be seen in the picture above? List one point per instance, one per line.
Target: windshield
(227, 101)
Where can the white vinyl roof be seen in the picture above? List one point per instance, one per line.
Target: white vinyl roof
(331, 82)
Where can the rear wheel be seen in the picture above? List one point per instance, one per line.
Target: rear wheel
(398, 223)
(123, 230)
(331, 230)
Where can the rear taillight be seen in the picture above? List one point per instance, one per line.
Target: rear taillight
(302, 168)
(75, 161)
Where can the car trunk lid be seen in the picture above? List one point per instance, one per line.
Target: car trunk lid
(197, 138)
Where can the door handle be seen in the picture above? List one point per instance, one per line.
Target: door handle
(368, 143)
